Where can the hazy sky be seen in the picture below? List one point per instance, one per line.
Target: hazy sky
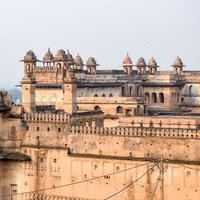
(105, 29)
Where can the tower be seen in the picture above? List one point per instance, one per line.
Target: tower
(91, 65)
(141, 66)
(152, 66)
(28, 92)
(178, 66)
(127, 65)
(29, 60)
(69, 90)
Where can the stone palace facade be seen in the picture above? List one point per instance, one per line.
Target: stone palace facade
(84, 133)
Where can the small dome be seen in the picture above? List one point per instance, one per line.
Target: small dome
(152, 62)
(141, 62)
(178, 62)
(91, 62)
(78, 60)
(48, 56)
(60, 55)
(30, 56)
(127, 60)
(69, 57)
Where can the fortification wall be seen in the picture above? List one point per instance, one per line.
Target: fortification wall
(62, 154)
(53, 167)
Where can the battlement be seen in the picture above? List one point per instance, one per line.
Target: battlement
(44, 69)
(178, 133)
(46, 117)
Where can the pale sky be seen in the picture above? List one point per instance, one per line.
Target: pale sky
(105, 29)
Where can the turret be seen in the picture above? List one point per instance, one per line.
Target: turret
(152, 66)
(178, 66)
(29, 60)
(141, 66)
(91, 65)
(70, 89)
(127, 65)
(28, 92)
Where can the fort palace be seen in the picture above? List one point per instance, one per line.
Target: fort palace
(82, 133)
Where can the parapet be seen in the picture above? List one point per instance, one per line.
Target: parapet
(44, 69)
(46, 117)
(178, 133)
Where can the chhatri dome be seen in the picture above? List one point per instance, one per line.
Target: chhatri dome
(127, 60)
(48, 56)
(178, 62)
(141, 62)
(69, 57)
(152, 62)
(78, 60)
(91, 62)
(30, 56)
(60, 55)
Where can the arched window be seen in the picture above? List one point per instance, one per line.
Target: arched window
(77, 108)
(182, 100)
(190, 90)
(97, 108)
(147, 97)
(119, 110)
(110, 95)
(123, 91)
(154, 97)
(96, 95)
(58, 66)
(161, 97)
(103, 95)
